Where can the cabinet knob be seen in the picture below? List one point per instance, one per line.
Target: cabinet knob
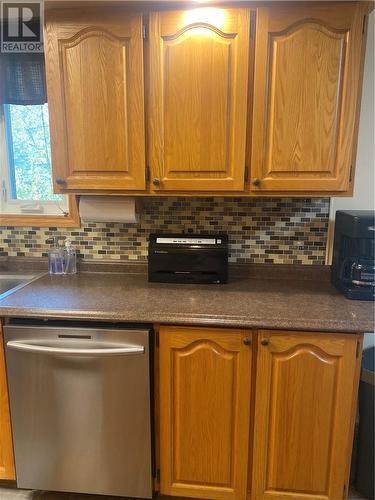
(60, 182)
(247, 341)
(265, 342)
(156, 181)
(256, 181)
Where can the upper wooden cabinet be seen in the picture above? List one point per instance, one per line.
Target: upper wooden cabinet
(205, 383)
(197, 99)
(307, 82)
(275, 88)
(306, 387)
(94, 66)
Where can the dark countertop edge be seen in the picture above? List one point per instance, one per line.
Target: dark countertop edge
(265, 271)
(191, 320)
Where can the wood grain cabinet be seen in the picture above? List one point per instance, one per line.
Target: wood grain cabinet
(197, 99)
(7, 470)
(276, 88)
(94, 67)
(204, 412)
(307, 84)
(306, 386)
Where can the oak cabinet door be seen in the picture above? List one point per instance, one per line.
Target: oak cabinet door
(305, 388)
(7, 470)
(94, 67)
(307, 79)
(197, 99)
(204, 412)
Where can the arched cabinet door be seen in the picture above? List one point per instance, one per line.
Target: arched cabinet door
(197, 99)
(94, 66)
(204, 412)
(306, 95)
(305, 388)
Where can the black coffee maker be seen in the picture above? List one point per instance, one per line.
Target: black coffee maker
(353, 265)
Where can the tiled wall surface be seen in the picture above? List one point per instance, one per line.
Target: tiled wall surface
(262, 230)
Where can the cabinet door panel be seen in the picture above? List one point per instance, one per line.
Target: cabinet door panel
(198, 92)
(307, 76)
(95, 89)
(304, 393)
(204, 412)
(7, 470)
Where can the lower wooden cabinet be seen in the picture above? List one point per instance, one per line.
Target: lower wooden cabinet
(305, 387)
(280, 431)
(7, 470)
(205, 381)
(291, 441)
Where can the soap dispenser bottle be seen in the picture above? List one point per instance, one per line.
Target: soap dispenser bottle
(70, 258)
(56, 258)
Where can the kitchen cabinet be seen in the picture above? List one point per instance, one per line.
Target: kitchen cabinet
(7, 469)
(241, 414)
(307, 84)
(94, 68)
(205, 387)
(292, 431)
(198, 77)
(257, 101)
(306, 385)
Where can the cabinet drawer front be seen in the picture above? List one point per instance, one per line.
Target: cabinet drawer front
(307, 76)
(304, 394)
(198, 96)
(204, 412)
(95, 91)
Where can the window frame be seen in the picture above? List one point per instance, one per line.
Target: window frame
(8, 173)
(13, 215)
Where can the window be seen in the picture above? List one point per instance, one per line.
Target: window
(26, 165)
(25, 149)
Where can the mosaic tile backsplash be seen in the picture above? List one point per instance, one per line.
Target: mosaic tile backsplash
(261, 230)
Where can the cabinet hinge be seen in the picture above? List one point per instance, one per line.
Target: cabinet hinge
(252, 24)
(344, 492)
(358, 349)
(145, 30)
(364, 25)
(148, 175)
(157, 339)
(351, 173)
(156, 474)
(246, 174)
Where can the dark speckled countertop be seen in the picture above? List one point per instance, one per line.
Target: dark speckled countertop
(263, 299)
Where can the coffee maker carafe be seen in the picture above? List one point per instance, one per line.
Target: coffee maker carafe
(353, 265)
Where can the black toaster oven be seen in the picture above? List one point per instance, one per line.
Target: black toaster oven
(188, 258)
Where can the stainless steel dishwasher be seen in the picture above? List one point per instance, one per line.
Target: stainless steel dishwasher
(80, 408)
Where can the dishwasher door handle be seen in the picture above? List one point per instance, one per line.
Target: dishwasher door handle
(69, 351)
